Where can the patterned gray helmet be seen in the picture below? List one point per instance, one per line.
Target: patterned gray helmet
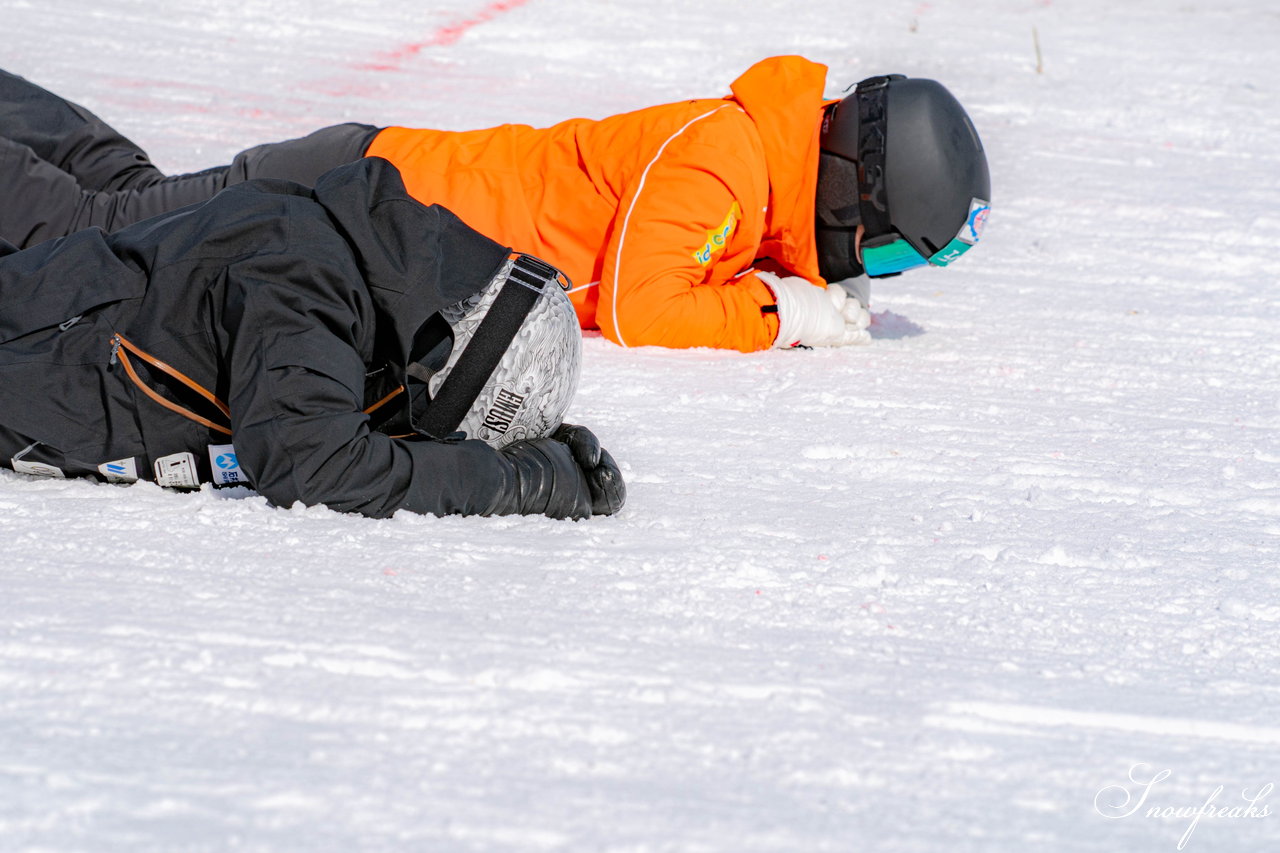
(529, 390)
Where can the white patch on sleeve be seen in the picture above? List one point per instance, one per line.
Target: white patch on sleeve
(120, 471)
(177, 471)
(36, 469)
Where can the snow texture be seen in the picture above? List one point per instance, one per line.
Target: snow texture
(939, 593)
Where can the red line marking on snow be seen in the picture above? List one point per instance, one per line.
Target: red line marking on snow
(443, 37)
(175, 97)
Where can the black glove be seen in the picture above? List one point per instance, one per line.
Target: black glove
(604, 479)
(566, 476)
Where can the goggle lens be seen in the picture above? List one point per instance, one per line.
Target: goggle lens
(890, 257)
(891, 254)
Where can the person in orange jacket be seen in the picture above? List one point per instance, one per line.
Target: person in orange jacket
(720, 222)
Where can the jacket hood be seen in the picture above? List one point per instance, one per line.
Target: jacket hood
(783, 97)
(416, 259)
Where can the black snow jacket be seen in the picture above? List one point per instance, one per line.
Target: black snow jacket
(296, 307)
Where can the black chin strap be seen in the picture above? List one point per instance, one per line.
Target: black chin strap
(520, 292)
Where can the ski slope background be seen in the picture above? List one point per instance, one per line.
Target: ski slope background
(942, 592)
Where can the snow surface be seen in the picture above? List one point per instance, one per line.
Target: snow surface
(939, 593)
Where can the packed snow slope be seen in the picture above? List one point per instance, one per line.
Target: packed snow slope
(964, 589)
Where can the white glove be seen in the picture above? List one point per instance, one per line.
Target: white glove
(813, 316)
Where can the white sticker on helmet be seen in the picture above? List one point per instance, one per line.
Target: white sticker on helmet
(975, 222)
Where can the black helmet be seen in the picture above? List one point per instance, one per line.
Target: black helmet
(901, 157)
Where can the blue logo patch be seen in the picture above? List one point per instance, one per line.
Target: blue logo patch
(225, 465)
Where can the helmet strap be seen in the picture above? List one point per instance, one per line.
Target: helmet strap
(872, 98)
(525, 283)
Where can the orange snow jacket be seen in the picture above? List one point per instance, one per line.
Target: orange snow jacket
(657, 216)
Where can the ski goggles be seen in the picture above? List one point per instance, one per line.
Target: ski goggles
(890, 253)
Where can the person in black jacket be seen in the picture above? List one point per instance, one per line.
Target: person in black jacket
(250, 337)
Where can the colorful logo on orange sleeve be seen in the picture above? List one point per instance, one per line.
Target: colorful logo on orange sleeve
(718, 237)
